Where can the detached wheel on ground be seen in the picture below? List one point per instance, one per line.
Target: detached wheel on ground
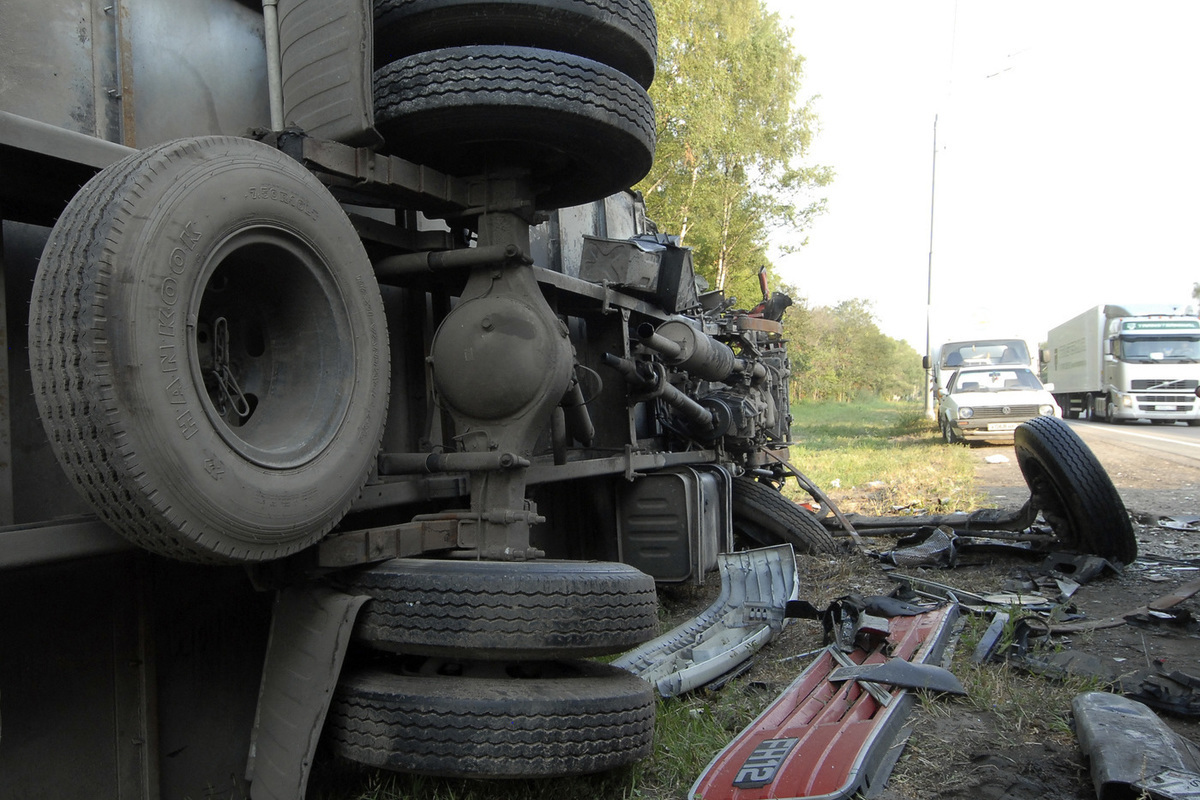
(581, 129)
(501, 610)
(530, 720)
(619, 33)
(207, 351)
(1072, 490)
(763, 517)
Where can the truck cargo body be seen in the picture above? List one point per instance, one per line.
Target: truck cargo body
(612, 422)
(1127, 363)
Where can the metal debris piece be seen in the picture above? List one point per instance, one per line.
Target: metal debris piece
(1132, 750)
(1180, 523)
(824, 740)
(991, 637)
(1079, 568)
(937, 549)
(902, 674)
(756, 586)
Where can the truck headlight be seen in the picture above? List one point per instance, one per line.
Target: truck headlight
(1127, 400)
(1046, 411)
(966, 413)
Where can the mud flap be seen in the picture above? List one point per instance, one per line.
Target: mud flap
(310, 631)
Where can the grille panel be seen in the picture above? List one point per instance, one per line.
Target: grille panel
(1014, 412)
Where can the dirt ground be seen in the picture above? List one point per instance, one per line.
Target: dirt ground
(1017, 743)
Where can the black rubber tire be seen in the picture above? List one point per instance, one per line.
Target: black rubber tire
(619, 33)
(498, 610)
(571, 718)
(581, 129)
(120, 336)
(948, 432)
(1072, 490)
(764, 517)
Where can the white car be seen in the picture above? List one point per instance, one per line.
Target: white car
(988, 403)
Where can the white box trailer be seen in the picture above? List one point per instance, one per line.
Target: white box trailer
(1125, 363)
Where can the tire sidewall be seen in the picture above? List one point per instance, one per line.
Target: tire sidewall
(147, 335)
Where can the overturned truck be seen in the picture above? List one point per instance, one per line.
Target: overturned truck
(349, 394)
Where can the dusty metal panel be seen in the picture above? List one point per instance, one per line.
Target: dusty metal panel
(210, 633)
(198, 68)
(71, 667)
(61, 540)
(53, 68)
(6, 471)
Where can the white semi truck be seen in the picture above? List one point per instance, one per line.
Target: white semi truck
(1127, 362)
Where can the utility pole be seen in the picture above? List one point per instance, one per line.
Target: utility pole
(929, 388)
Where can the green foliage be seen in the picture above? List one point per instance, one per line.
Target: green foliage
(840, 354)
(730, 133)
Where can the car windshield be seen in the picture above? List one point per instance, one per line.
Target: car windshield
(998, 351)
(996, 380)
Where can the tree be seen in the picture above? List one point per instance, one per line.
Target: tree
(730, 133)
(840, 354)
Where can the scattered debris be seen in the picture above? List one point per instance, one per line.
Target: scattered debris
(935, 548)
(1182, 523)
(991, 638)
(996, 459)
(1132, 752)
(823, 739)
(756, 586)
(903, 674)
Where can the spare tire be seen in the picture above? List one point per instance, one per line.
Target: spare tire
(580, 128)
(530, 720)
(501, 610)
(1073, 492)
(620, 33)
(208, 351)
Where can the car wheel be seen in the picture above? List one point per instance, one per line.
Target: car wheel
(500, 610)
(207, 351)
(1072, 490)
(764, 517)
(528, 720)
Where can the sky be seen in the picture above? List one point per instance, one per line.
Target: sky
(1067, 160)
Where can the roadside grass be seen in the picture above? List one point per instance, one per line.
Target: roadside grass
(880, 458)
(1004, 709)
(888, 459)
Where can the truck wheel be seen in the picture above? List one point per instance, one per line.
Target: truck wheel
(619, 33)
(531, 720)
(764, 517)
(582, 129)
(1072, 490)
(503, 610)
(208, 353)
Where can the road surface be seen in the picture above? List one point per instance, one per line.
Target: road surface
(1156, 468)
